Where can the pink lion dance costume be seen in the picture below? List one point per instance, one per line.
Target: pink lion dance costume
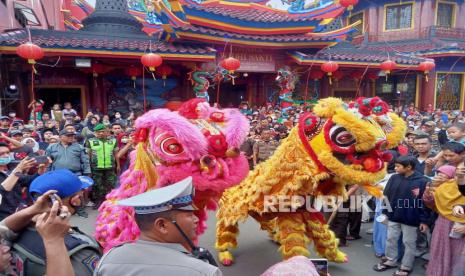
(198, 141)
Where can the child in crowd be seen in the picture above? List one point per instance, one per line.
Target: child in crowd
(456, 133)
(404, 191)
(57, 114)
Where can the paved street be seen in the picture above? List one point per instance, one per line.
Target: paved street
(256, 252)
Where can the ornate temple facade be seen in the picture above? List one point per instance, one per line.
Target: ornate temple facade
(88, 51)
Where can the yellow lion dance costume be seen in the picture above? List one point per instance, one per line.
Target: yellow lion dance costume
(335, 145)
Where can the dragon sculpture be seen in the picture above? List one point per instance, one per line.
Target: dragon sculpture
(287, 81)
(336, 144)
(198, 141)
(200, 83)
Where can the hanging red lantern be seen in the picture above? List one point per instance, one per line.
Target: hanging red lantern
(372, 76)
(316, 75)
(30, 51)
(349, 4)
(151, 61)
(165, 71)
(338, 75)
(231, 64)
(387, 66)
(330, 67)
(426, 67)
(97, 68)
(133, 72)
(356, 75)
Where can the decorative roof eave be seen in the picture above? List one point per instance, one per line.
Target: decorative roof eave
(255, 27)
(114, 54)
(434, 54)
(248, 30)
(303, 59)
(80, 43)
(242, 42)
(298, 15)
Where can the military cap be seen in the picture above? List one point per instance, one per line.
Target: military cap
(99, 127)
(176, 196)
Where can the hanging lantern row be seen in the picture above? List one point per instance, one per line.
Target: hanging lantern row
(349, 4)
(231, 64)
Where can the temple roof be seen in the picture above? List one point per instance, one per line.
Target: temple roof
(348, 54)
(72, 43)
(193, 33)
(433, 47)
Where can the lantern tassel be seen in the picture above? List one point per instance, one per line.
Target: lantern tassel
(153, 76)
(330, 82)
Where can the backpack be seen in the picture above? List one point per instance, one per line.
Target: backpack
(28, 254)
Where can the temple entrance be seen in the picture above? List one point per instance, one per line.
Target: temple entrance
(232, 95)
(60, 95)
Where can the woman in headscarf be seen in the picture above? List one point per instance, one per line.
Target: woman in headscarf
(30, 142)
(447, 251)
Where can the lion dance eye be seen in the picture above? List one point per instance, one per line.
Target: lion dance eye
(169, 145)
(341, 137)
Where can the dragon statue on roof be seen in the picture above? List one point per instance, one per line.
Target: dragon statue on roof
(198, 141)
(336, 144)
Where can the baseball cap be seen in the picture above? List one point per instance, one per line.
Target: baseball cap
(15, 132)
(63, 181)
(4, 118)
(67, 132)
(430, 123)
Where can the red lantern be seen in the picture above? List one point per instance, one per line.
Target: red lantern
(30, 51)
(97, 68)
(372, 76)
(164, 71)
(316, 75)
(151, 61)
(231, 64)
(356, 75)
(426, 67)
(387, 66)
(338, 75)
(330, 67)
(133, 72)
(349, 4)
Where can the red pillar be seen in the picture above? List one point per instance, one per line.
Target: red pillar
(427, 91)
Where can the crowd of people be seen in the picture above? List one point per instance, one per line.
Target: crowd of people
(56, 152)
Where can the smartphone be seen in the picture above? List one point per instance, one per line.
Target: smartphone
(55, 198)
(41, 159)
(321, 266)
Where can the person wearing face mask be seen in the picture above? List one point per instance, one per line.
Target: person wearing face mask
(12, 181)
(66, 253)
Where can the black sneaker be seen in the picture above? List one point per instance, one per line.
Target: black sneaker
(80, 212)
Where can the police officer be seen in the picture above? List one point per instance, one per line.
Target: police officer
(168, 225)
(102, 151)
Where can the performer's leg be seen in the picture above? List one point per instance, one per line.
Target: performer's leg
(291, 235)
(226, 238)
(326, 244)
(266, 224)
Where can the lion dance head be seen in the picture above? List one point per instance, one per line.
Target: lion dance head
(198, 141)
